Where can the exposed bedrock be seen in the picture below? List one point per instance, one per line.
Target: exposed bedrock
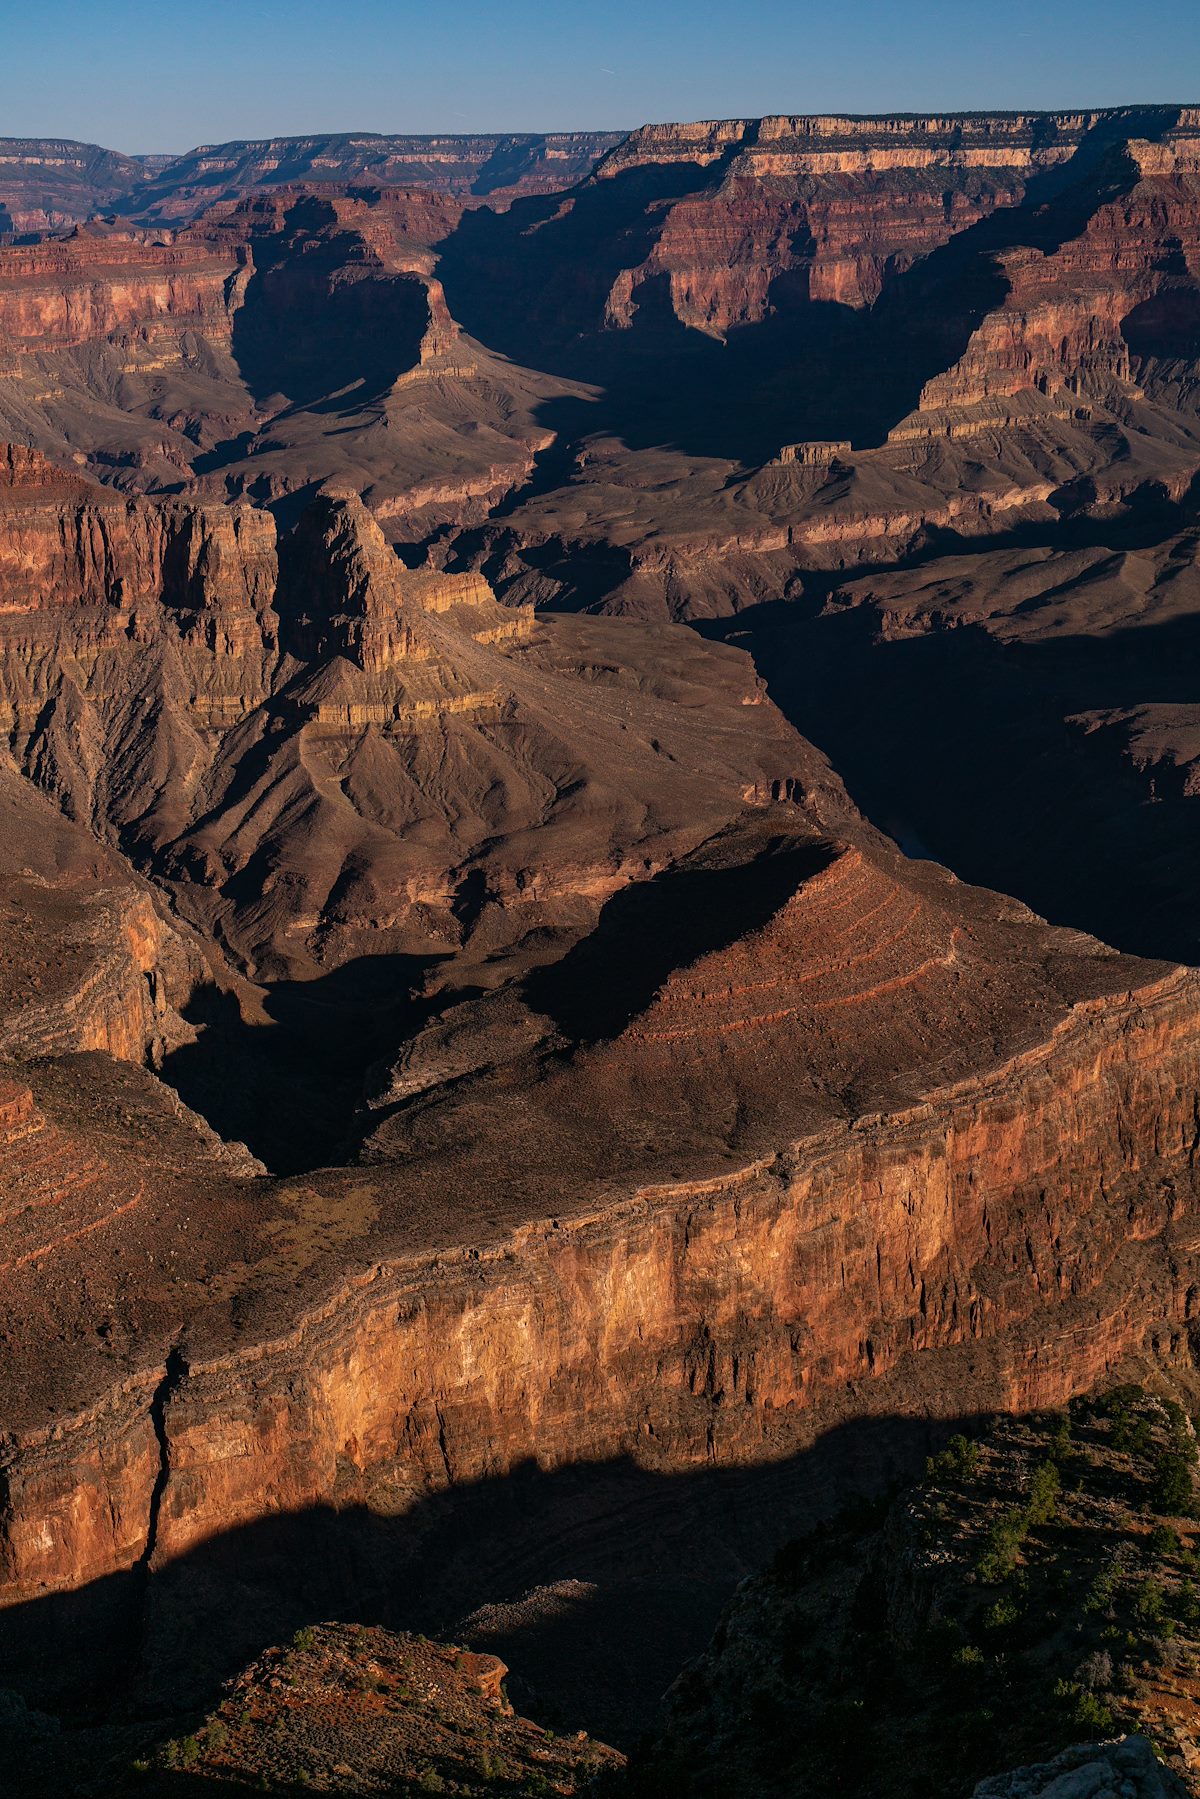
(48, 183)
(942, 261)
(89, 959)
(69, 543)
(997, 1241)
(51, 182)
(323, 754)
(697, 1322)
(683, 1128)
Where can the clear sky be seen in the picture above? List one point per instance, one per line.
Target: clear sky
(140, 76)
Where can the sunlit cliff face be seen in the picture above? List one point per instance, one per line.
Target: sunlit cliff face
(459, 1030)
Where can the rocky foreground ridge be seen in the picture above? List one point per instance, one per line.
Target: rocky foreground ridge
(1036, 1589)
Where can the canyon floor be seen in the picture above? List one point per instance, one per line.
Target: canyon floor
(598, 941)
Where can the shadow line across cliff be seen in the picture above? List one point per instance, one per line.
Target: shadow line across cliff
(638, 1566)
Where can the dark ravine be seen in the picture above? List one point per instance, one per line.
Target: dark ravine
(173, 1376)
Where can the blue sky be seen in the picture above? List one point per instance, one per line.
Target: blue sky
(144, 76)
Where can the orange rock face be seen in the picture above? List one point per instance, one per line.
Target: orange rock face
(633, 1108)
(994, 1239)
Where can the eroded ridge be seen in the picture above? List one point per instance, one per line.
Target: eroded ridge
(848, 941)
(52, 1190)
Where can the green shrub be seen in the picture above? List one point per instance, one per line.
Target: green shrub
(1173, 1489)
(1004, 1541)
(1043, 1494)
(1186, 1605)
(958, 1461)
(1151, 1603)
(1103, 1589)
(1084, 1710)
(1060, 1436)
(1130, 1433)
(1092, 1715)
(1178, 1420)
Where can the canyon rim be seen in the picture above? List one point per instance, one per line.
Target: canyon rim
(598, 940)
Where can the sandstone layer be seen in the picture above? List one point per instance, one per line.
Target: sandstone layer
(693, 1245)
(46, 183)
(654, 1150)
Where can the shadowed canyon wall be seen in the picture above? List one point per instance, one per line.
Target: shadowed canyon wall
(629, 1101)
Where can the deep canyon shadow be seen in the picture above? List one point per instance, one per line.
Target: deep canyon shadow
(309, 329)
(966, 745)
(289, 1088)
(534, 282)
(653, 927)
(656, 1557)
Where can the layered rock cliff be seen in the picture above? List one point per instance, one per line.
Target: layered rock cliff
(51, 182)
(685, 1137)
(793, 1223)
(495, 167)
(48, 183)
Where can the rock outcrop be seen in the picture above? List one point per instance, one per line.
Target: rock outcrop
(1090, 1771)
(361, 1708)
(1032, 1590)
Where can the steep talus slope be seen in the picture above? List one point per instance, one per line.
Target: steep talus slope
(88, 961)
(116, 350)
(337, 767)
(317, 750)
